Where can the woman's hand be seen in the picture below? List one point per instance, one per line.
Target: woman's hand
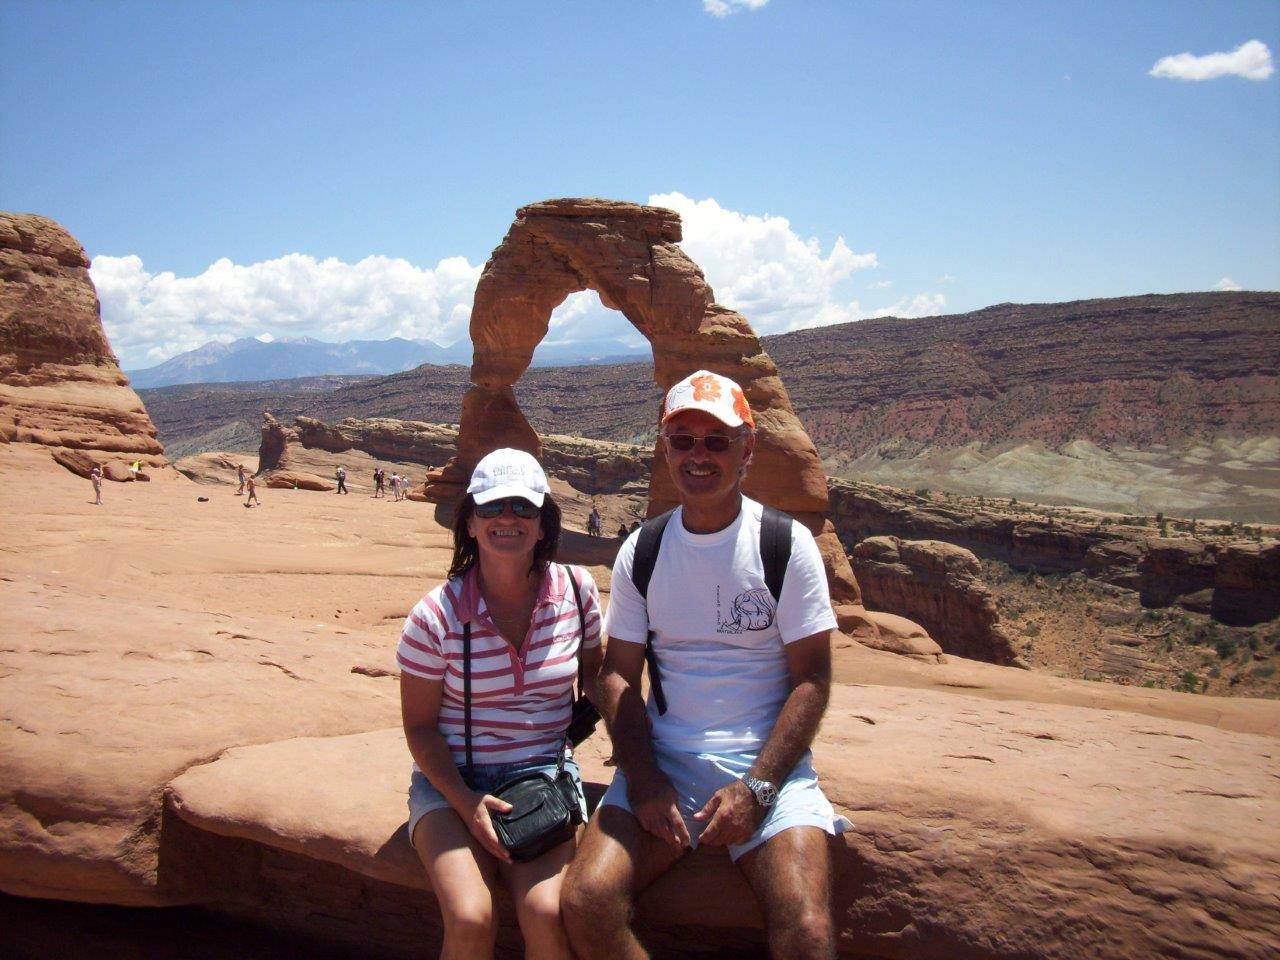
(475, 814)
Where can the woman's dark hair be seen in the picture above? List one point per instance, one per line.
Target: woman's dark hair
(466, 551)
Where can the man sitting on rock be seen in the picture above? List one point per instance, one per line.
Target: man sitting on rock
(722, 755)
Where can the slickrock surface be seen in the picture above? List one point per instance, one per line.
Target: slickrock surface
(992, 830)
(939, 585)
(241, 662)
(60, 384)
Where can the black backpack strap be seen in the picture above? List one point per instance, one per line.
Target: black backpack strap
(647, 546)
(775, 548)
(466, 688)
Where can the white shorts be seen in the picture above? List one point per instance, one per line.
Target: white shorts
(696, 776)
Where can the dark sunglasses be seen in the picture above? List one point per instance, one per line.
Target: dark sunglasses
(684, 442)
(521, 507)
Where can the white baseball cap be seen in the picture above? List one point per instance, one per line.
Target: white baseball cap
(508, 473)
(712, 393)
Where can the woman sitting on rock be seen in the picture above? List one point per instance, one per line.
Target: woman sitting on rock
(526, 637)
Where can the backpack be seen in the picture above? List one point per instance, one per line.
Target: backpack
(775, 554)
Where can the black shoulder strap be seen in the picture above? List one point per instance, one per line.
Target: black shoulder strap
(582, 623)
(647, 546)
(466, 688)
(775, 549)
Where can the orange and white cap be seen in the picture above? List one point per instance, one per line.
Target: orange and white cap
(711, 393)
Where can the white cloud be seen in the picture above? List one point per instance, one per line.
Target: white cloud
(756, 264)
(1251, 60)
(723, 8)
(149, 317)
(763, 269)
(921, 305)
(1226, 283)
(947, 278)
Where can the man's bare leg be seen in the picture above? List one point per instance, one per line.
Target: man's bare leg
(616, 861)
(791, 876)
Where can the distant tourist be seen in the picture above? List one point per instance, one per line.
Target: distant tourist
(517, 611)
(252, 488)
(395, 486)
(95, 477)
(135, 468)
(623, 532)
(341, 476)
(379, 482)
(593, 522)
(720, 755)
(240, 474)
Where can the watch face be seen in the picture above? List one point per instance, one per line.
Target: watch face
(765, 792)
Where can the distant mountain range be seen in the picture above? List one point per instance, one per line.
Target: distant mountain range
(1140, 404)
(250, 359)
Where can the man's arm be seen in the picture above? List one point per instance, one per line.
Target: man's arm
(732, 810)
(617, 695)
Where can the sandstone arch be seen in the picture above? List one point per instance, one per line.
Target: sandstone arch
(629, 255)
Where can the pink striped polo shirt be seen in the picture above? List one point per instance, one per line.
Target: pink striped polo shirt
(520, 702)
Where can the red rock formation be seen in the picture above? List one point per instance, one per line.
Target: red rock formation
(629, 255)
(940, 586)
(298, 480)
(273, 451)
(60, 384)
(1238, 583)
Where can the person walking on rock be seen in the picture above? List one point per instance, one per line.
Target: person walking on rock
(251, 487)
(731, 598)
(95, 477)
(341, 476)
(593, 522)
(379, 480)
(524, 621)
(240, 475)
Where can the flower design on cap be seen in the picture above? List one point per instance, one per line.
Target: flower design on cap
(705, 388)
(741, 407)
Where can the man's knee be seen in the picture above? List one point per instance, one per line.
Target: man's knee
(590, 899)
(806, 932)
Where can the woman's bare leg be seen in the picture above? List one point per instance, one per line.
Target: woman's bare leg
(462, 876)
(535, 889)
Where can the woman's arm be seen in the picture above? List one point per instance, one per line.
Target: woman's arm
(420, 712)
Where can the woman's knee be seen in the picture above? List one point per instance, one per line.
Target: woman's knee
(469, 919)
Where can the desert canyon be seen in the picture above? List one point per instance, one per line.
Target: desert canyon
(199, 703)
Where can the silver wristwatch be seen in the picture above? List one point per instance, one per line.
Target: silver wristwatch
(766, 793)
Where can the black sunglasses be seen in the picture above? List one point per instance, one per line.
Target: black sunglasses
(521, 507)
(684, 442)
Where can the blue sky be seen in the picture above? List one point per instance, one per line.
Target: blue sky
(344, 169)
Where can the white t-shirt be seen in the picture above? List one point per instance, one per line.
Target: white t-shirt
(718, 638)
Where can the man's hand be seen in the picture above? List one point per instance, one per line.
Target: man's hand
(734, 815)
(476, 817)
(656, 806)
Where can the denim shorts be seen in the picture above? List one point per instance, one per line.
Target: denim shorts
(696, 776)
(424, 798)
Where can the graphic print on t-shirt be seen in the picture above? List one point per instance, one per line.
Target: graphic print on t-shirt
(751, 610)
